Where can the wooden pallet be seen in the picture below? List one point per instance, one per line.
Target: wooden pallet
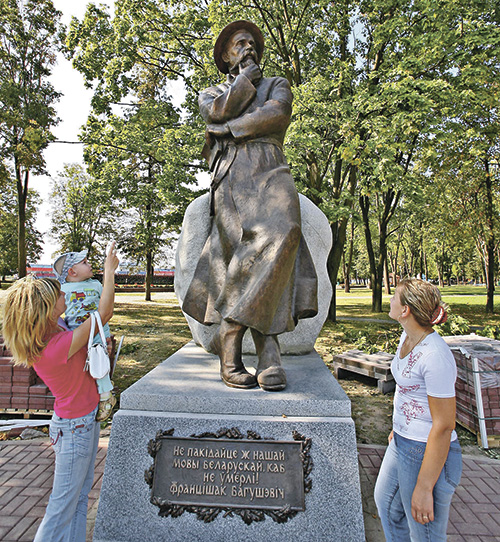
(493, 440)
(376, 366)
(26, 413)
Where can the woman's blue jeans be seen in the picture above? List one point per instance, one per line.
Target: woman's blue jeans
(75, 443)
(394, 489)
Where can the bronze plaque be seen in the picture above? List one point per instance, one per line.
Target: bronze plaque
(192, 473)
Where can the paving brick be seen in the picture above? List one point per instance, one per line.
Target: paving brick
(94, 494)
(10, 494)
(473, 515)
(494, 484)
(6, 475)
(29, 534)
(13, 506)
(36, 511)
(7, 523)
(97, 482)
(26, 506)
(35, 491)
(99, 468)
(490, 520)
(38, 470)
(482, 486)
(29, 457)
(477, 496)
(10, 466)
(15, 481)
(22, 525)
(464, 513)
(366, 460)
(42, 478)
(451, 528)
(471, 465)
(471, 528)
(490, 508)
(27, 470)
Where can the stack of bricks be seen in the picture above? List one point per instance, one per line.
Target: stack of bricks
(487, 353)
(20, 387)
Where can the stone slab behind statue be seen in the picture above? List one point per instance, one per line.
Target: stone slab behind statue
(318, 236)
(185, 393)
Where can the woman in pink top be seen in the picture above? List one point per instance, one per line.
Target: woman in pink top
(37, 337)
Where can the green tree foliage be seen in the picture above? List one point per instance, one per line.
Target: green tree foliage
(83, 215)
(135, 140)
(9, 223)
(435, 62)
(379, 85)
(28, 32)
(465, 152)
(138, 155)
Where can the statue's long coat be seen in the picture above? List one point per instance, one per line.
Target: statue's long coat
(255, 268)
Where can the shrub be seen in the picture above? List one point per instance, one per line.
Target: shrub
(455, 325)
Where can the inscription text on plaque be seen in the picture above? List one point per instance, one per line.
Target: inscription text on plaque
(229, 474)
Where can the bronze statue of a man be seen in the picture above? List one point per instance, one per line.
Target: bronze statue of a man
(255, 270)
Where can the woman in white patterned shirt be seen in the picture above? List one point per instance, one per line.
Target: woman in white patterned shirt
(423, 462)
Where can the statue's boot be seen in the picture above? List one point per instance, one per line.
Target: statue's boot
(227, 343)
(270, 374)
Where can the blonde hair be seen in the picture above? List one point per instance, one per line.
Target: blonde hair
(424, 300)
(27, 317)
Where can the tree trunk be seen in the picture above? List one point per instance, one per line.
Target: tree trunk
(338, 240)
(386, 277)
(149, 274)
(333, 263)
(441, 268)
(344, 269)
(376, 284)
(422, 257)
(390, 200)
(22, 195)
(440, 275)
(347, 285)
(381, 266)
(490, 247)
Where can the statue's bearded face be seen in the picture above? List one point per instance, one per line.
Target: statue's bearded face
(240, 50)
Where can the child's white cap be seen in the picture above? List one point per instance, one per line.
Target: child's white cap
(65, 261)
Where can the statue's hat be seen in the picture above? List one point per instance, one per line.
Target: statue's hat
(226, 34)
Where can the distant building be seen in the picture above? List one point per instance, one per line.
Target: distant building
(164, 272)
(41, 270)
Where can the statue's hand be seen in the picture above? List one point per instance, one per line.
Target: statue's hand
(218, 130)
(251, 72)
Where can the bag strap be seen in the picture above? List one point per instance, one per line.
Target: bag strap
(97, 317)
(92, 329)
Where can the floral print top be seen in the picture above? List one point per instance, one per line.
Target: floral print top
(429, 369)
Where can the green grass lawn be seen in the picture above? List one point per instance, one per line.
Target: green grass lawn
(466, 301)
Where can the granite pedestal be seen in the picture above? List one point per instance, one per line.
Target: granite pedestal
(185, 393)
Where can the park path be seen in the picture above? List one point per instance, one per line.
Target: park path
(26, 471)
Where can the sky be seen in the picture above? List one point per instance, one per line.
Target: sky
(73, 109)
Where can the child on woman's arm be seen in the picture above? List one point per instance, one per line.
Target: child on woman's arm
(82, 294)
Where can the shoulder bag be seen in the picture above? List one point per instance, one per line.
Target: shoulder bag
(97, 354)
